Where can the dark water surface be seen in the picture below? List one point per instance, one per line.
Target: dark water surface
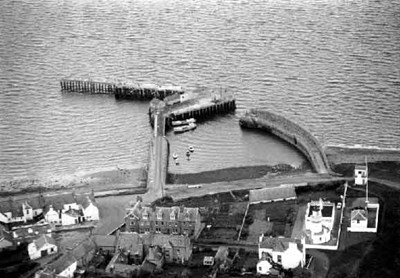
(330, 65)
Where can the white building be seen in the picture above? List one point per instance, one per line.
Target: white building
(361, 175)
(319, 220)
(42, 246)
(71, 209)
(364, 215)
(51, 206)
(90, 211)
(287, 252)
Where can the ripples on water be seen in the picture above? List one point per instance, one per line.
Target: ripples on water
(330, 65)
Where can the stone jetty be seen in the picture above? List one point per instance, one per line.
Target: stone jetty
(290, 132)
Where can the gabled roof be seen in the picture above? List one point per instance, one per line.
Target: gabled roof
(82, 249)
(43, 240)
(62, 263)
(39, 228)
(271, 193)
(181, 213)
(278, 244)
(165, 240)
(358, 214)
(105, 240)
(154, 254)
(130, 242)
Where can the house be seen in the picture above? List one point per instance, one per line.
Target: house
(319, 220)
(131, 245)
(64, 267)
(16, 210)
(286, 252)
(28, 233)
(21, 211)
(176, 248)
(165, 220)
(105, 243)
(128, 256)
(155, 256)
(83, 252)
(364, 215)
(4, 243)
(272, 194)
(42, 246)
(69, 208)
(361, 175)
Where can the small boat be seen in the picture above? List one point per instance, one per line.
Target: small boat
(184, 122)
(183, 128)
(191, 149)
(175, 156)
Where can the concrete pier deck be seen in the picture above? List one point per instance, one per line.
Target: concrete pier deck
(158, 161)
(292, 133)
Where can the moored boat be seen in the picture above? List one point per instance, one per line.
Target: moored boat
(184, 122)
(183, 128)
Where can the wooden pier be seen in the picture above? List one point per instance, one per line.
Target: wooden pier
(120, 90)
(82, 86)
(201, 108)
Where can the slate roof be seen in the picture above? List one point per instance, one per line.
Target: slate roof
(358, 214)
(39, 228)
(82, 249)
(43, 240)
(154, 254)
(165, 240)
(105, 240)
(62, 263)
(130, 242)
(278, 244)
(14, 205)
(164, 213)
(271, 193)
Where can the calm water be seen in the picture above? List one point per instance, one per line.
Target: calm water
(330, 65)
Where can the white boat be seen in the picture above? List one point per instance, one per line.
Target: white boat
(184, 122)
(183, 128)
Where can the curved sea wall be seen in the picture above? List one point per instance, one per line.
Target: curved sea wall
(292, 133)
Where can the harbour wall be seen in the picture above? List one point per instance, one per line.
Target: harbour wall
(292, 133)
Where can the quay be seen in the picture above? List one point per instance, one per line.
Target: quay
(120, 90)
(290, 132)
(198, 108)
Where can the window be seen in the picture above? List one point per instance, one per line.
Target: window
(259, 268)
(279, 258)
(27, 211)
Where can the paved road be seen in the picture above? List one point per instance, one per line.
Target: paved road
(157, 168)
(179, 191)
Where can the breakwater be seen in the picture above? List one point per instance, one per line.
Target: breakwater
(120, 90)
(292, 133)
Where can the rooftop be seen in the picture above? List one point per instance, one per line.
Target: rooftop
(272, 193)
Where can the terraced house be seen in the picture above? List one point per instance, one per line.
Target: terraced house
(164, 220)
